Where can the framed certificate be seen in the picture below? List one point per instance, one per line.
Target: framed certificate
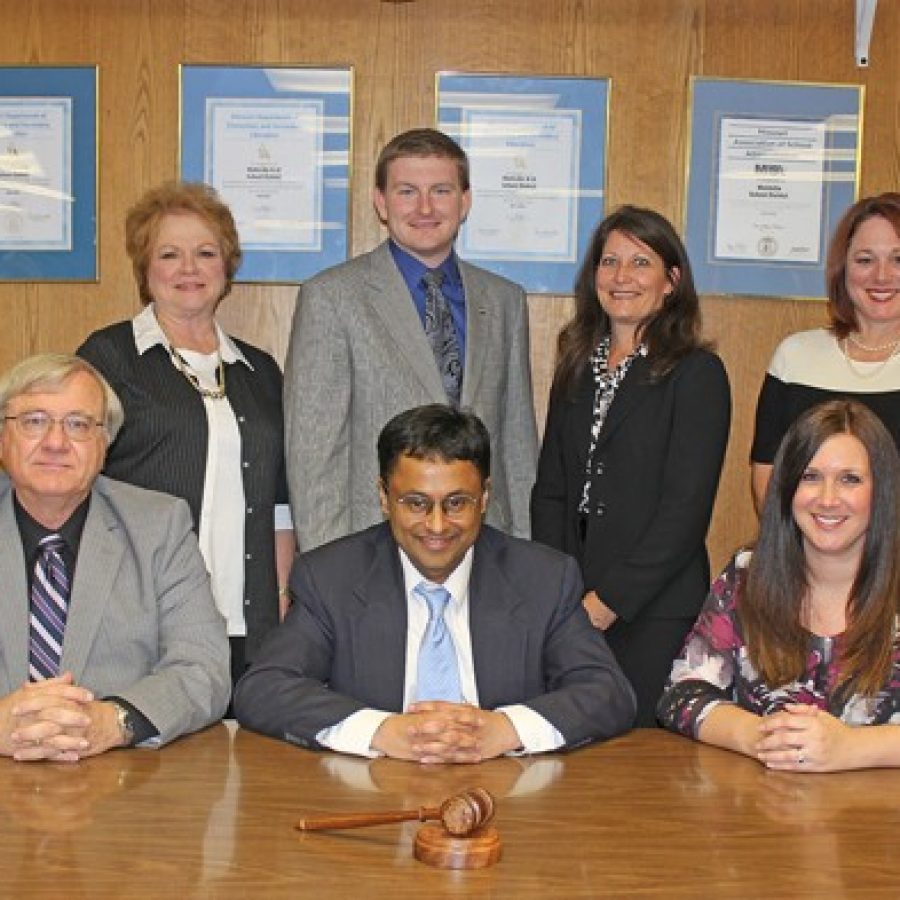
(772, 166)
(275, 143)
(48, 173)
(537, 156)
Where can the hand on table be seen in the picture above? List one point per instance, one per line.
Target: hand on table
(56, 720)
(440, 732)
(803, 738)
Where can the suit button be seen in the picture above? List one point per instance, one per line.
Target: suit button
(599, 469)
(601, 509)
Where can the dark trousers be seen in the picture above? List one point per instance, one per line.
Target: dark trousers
(645, 650)
(238, 667)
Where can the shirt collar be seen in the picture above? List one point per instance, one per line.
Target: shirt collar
(414, 269)
(457, 584)
(33, 532)
(147, 334)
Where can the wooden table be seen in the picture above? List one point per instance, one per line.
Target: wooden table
(648, 814)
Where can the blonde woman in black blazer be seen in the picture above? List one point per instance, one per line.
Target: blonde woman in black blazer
(636, 433)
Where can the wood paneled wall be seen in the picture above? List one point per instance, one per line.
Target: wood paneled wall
(650, 48)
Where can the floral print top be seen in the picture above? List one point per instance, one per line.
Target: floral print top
(714, 668)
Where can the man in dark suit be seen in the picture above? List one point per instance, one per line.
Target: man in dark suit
(360, 350)
(367, 662)
(110, 633)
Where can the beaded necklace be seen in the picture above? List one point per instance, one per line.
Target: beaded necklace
(216, 393)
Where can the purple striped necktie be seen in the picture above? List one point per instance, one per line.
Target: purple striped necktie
(49, 606)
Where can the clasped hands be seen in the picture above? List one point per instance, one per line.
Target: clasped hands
(436, 731)
(802, 738)
(56, 720)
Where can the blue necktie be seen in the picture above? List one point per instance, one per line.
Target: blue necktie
(441, 334)
(438, 674)
(49, 606)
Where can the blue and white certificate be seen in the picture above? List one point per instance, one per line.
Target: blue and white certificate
(35, 173)
(770, 189)
(525, 167)
(264, 157)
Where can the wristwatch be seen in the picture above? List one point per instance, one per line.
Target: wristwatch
(126, 723)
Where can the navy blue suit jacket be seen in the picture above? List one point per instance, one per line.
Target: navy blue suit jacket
(342, 646)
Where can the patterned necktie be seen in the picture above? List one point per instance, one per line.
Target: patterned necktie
(441, 335)
(438, 674)
(49, 605)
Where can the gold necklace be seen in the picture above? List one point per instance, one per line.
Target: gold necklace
(217, 393)
(852, 363)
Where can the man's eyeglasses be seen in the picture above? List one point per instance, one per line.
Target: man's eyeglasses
(454, 506)
(37, 423)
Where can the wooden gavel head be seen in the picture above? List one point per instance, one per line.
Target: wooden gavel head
(467, 812)
(461, 815)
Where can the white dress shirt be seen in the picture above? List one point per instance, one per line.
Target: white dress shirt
(354, 734)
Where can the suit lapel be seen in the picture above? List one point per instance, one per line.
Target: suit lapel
(379, 643)
(99, 557)
(13, 598)
(630, 394)
(478, 330)
(389, 296)
(499, 634)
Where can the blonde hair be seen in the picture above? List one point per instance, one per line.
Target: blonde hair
(51, 371)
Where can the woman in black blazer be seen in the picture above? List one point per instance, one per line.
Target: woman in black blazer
(636, 433)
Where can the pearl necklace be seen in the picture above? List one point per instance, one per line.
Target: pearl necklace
(852, 363)
(890, 345)
(217, 393)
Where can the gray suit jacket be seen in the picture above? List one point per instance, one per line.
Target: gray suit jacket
(358, 356)
(342, 646)
(142, 622)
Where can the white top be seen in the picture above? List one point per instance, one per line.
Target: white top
(354, 734)
(221, 535)
(815, 359)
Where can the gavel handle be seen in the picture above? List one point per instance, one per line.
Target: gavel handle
(360, 820)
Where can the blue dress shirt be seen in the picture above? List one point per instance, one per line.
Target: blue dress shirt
(413, 271)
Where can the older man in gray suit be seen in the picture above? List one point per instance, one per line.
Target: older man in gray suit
(110, 633)
(367, 344)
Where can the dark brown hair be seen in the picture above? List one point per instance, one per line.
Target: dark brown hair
(670, 333)
(143, 220)
(840, 306)
(777, 580)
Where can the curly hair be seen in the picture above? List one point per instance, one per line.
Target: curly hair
(143, 220)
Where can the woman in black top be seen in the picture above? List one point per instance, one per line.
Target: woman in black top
(636, 433)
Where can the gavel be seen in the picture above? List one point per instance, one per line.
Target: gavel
(461, 815)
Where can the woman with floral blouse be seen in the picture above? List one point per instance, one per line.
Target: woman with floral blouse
(798, 640)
